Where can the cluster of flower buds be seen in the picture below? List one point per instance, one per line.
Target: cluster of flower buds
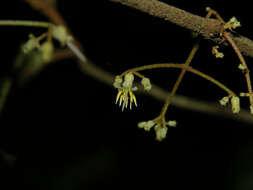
(160, 130)
(216, 52)
(232, 23)
(47, 48)
(235, 103)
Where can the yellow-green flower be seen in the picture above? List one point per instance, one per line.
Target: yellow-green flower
(125, 94)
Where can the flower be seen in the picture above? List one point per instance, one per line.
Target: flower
(146, 125)
(161, 132)
(146, 84)
(251, 109)
(224, 101)
(172, 123)
(232, 23)
(31, 44)
(235, 102)
(242, 67)
(60, 33)
(125, 91)
(47, 50)
(216, 52)
(117, 82)
(159, 125)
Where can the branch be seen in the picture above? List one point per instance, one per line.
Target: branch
(207, 28)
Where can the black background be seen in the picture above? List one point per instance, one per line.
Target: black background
(65, 131)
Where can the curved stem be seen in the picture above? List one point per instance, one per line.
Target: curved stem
(243, 62)
(187, 68)
(24, 23)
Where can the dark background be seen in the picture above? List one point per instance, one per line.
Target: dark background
(62, 129)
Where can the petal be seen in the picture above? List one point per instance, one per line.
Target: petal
(125, 101)
(122, 97)
(118, 96)
(133, 98)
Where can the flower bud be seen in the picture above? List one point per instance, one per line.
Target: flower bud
(235, 101)
(128, 80)
(160, 132)
(31, 44)
(47, 50)
(224, 101)
(117, 82)
(146, 84)
(172, 123)
(60, 34)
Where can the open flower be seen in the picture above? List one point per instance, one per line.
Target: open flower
(125, 91)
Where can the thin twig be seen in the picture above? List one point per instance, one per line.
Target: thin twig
(184, 67)
(24, 23)
(180, 78)
(242, 60)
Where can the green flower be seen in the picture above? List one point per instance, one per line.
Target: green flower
(125, 94)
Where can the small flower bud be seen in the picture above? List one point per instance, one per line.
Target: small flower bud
(117, 82)
(242, 67)
(60, 34)
(146, 83)
(31, 44)
(243, 94)
(172, 123)
(142, 124)
(160, 132)
(128, 80)
(208, 9)
(47, 50)
(224, 101)
(232, 23)
(216, 52)
(149, 125)
(251, 109)
(235, 101)
(146, 125)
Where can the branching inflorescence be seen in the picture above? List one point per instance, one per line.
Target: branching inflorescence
(44, 48)
(159, 123)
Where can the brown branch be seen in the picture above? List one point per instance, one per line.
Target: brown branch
(207, 28)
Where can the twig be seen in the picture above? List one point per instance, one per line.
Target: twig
(180, 78)
(184, 68)
(242, 60)
(24, 23)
